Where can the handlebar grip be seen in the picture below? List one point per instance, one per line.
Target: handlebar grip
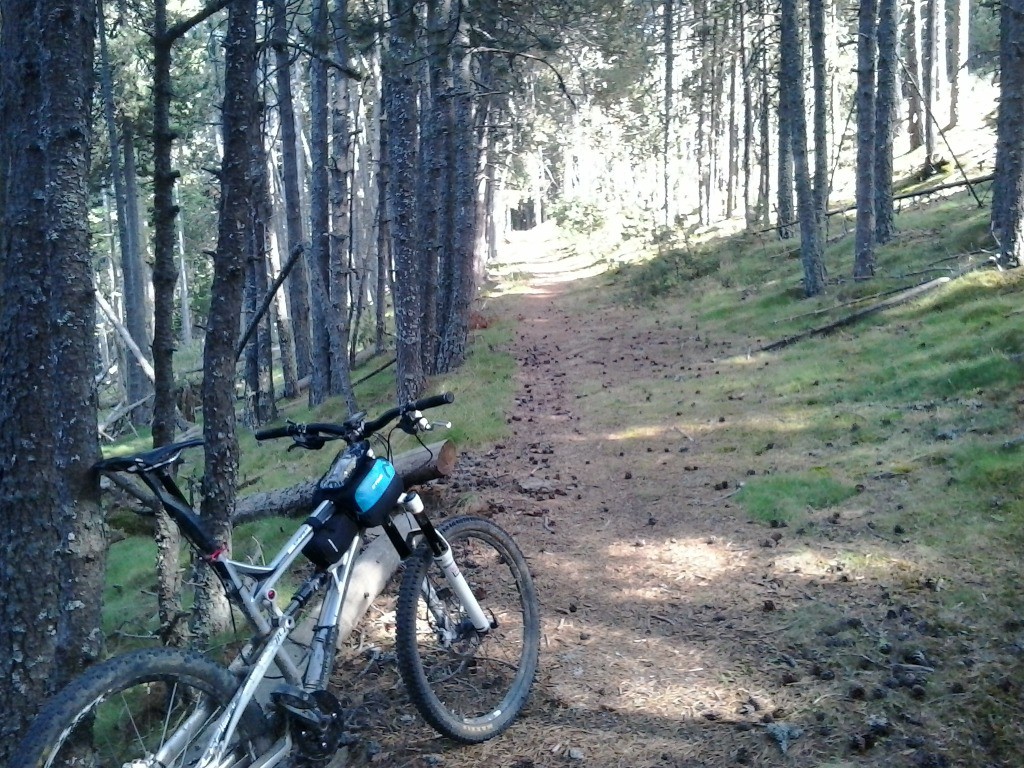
(434, 401)
(274, 432)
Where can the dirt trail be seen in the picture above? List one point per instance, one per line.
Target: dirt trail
(675, 632)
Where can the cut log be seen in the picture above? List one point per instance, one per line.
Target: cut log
(370, 574)
(417, 466)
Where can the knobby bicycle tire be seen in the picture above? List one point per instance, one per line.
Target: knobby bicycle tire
(124, 708)
(472, 689)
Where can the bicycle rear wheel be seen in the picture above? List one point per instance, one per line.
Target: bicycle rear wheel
(147, 708)
(469, 686)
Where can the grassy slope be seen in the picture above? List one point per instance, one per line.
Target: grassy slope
(908, 419)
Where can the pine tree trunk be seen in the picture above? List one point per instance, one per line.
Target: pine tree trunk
(764, 160)
(864, 252)
(668, 38)
(282, 318)
(185, 304)
(166, 535)
(816, 24)
(792, 105)
(135, 386)
(463, 133)
(221, 464)
(399, 98)
(297, 284)
(747, 84)
(319, 205)
(165, 272)
(383, 242)
(885, 118)
(340, 269)
(912, 45)
(1008, 188)
(432, 192)
(137, 308)
(928, 81)
(53, 538)
(784, 205)
(959, 57)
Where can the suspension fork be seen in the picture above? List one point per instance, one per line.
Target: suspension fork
(442, 554)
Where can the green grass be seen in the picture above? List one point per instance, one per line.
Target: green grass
(786, 498)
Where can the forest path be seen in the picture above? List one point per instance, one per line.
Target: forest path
(675, 631)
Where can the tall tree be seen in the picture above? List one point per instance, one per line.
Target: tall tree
(959, 56)
(52, 518)
(138, 386)
(298, 279)
(929, 78)
(463, 140)
(792, 104)
(864, 243)
(399, 98)
(1008, 188)
(165, 271)
(668, 41)
(319, 208)
(816, 32)
(885, 117)
(912, 45)
(784, 211)
(340, 261)
(236, 186)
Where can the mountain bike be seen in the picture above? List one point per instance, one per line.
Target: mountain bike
(467, 627)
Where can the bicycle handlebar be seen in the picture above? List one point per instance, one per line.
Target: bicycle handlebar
(355, 429)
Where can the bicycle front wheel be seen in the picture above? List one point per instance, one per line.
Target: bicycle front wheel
(469, 685)
(147, 708)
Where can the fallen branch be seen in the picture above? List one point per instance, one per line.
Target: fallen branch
(842, 322)
(416, 466)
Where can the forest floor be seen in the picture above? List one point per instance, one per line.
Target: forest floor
(676, 630)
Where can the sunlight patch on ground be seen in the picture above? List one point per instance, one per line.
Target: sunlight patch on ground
(665, 564)
(760, 421)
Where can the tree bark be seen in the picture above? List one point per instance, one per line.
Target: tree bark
(298, 281)
(53, 537)
(319, 216)
(864, 251)
(1008, 188)
(221, 442)
(959, 57)
(928, 80)
(137, 311)
(464, 137)
(793, 107)
(399, 97)
(784, 194)
(164, 213)
(341, 214)
(816, 24)
(433, 198)
(668, 38)
(885, 118)
(912, 45)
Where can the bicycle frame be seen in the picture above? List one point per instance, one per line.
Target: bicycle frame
(253, 589)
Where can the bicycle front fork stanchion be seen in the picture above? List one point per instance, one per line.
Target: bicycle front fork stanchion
(443, 557)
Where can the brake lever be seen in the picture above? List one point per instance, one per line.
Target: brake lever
(414, 422)
(309, 442)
